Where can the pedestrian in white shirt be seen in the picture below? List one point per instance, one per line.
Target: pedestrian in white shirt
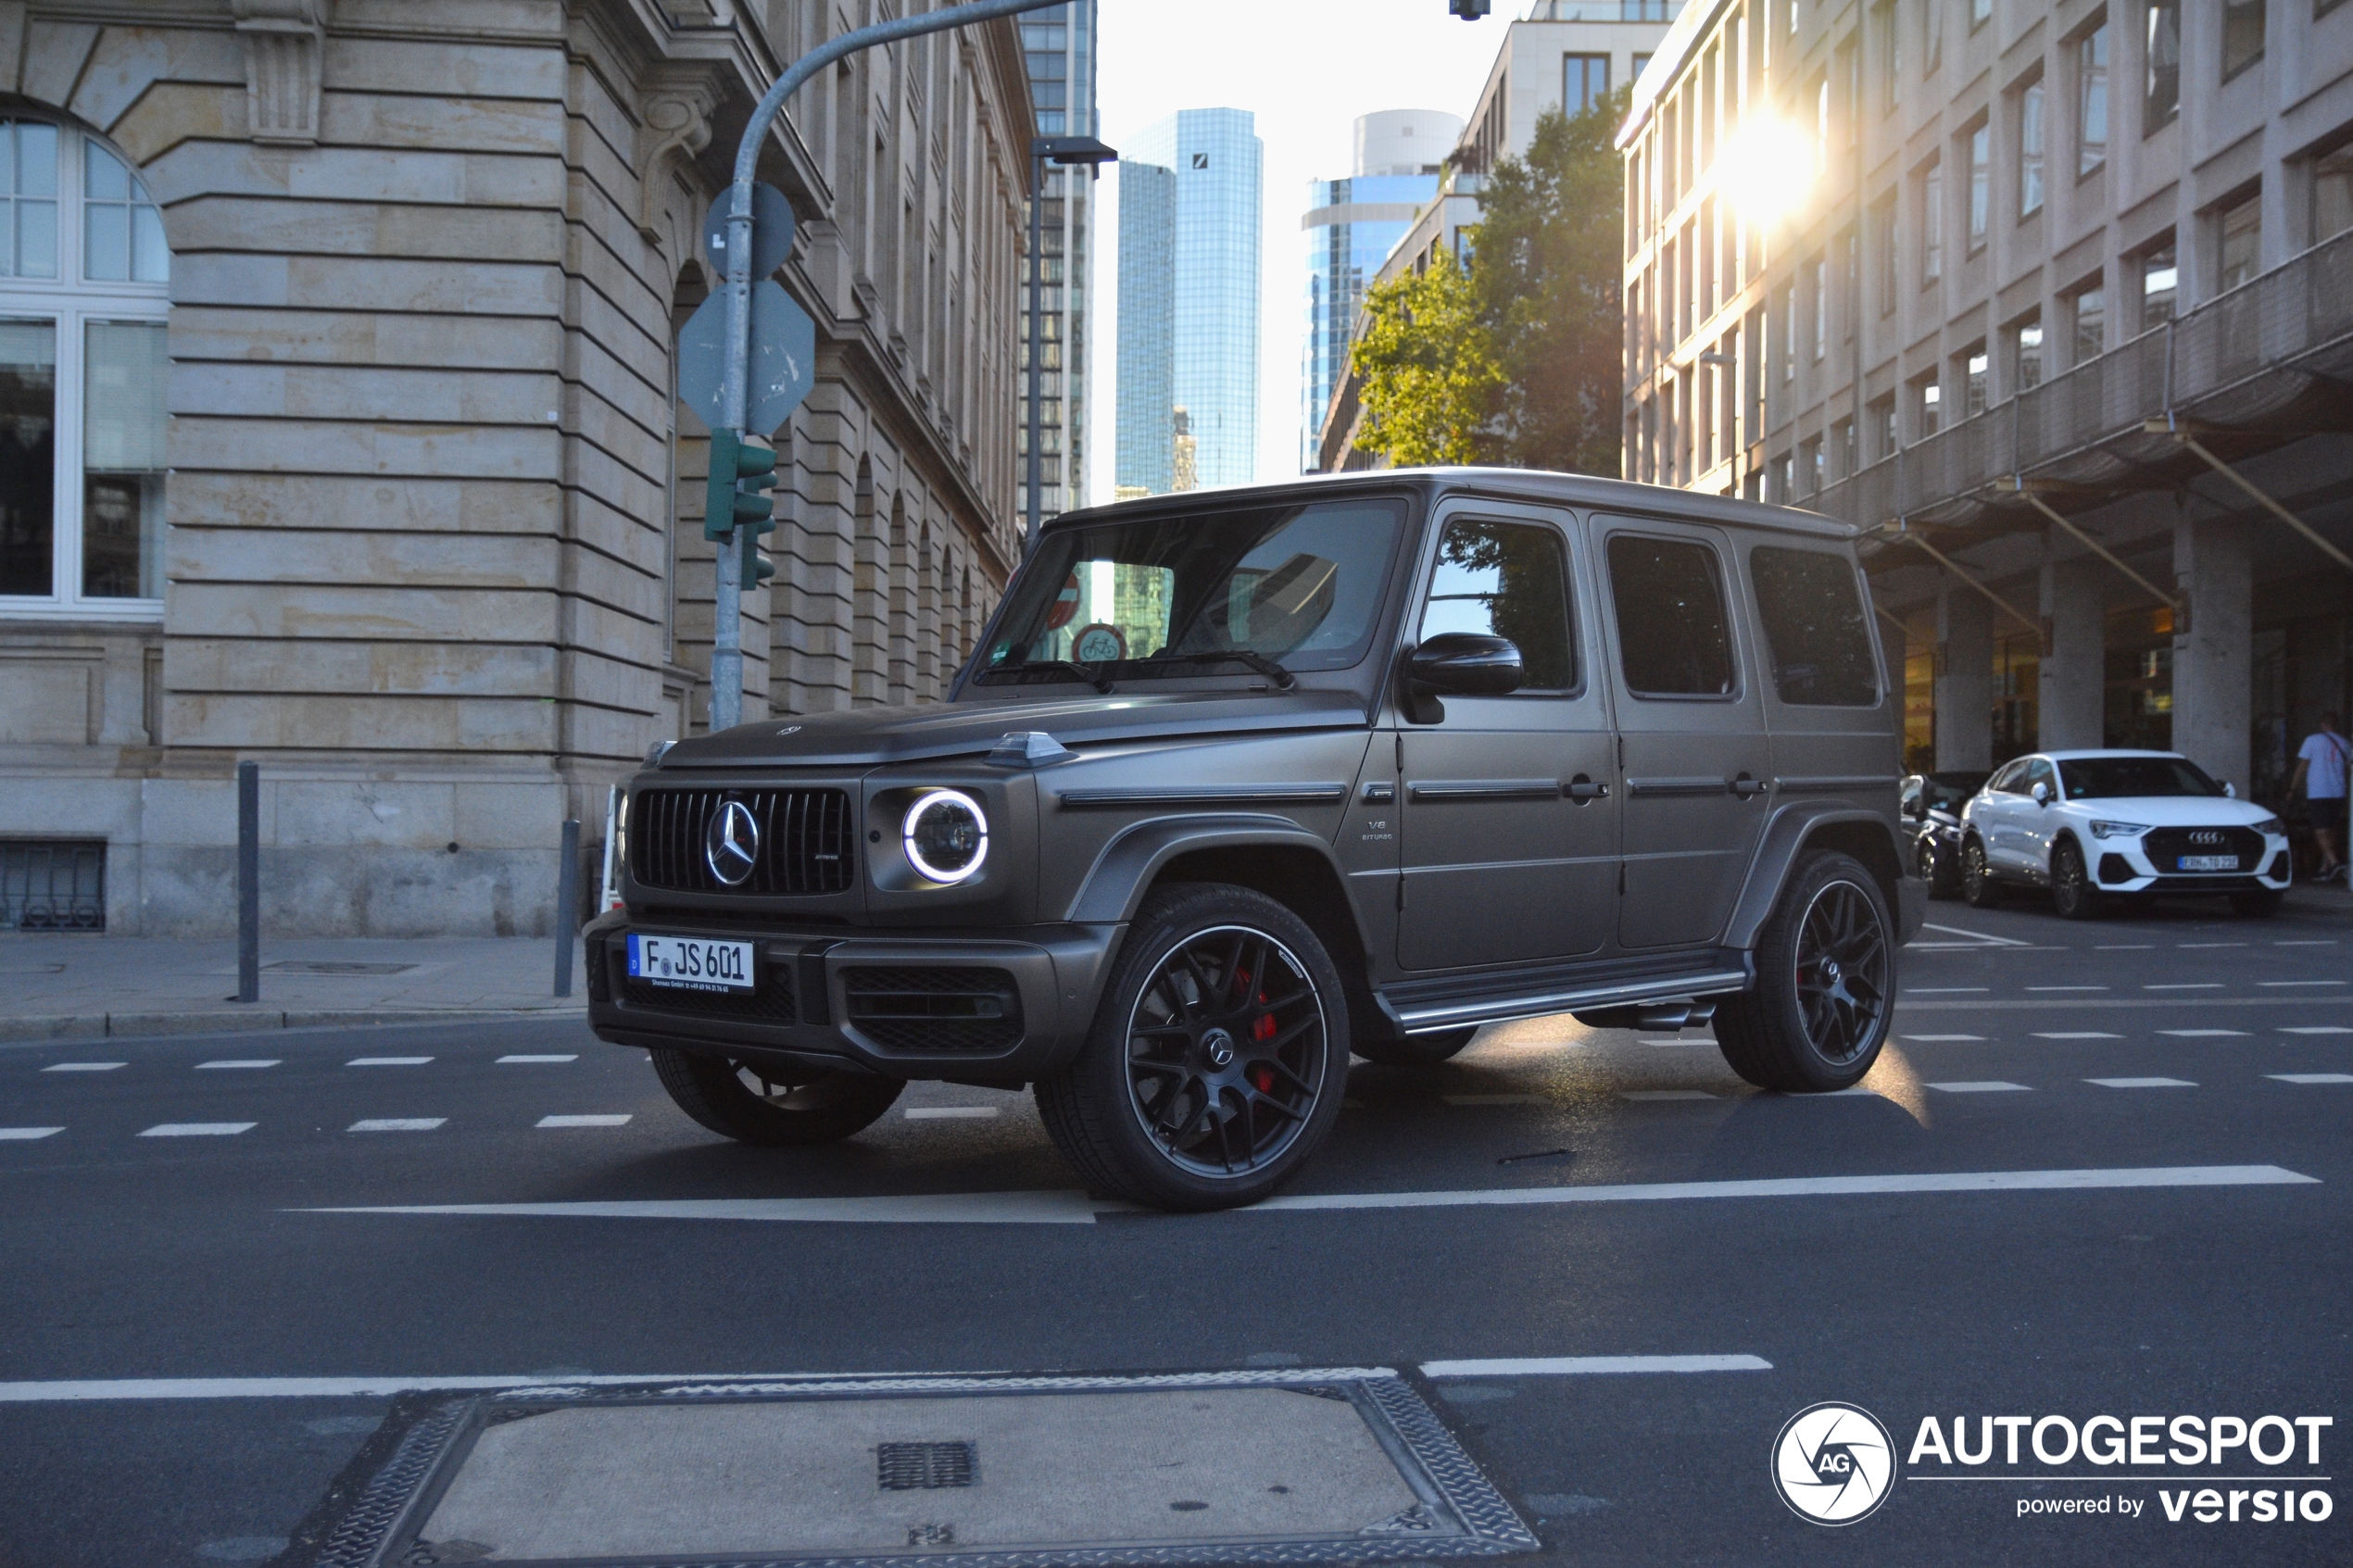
(2321, 768)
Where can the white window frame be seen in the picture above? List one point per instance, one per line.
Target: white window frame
(69, 304)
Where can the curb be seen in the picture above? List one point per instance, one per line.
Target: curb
(112, 1025)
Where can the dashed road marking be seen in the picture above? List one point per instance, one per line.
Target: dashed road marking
(1574, 1366)
(2067, 988)
(1943, 1039)
(1665, 1094)
(2077, 1035)
(583, 1120)
(2314, 1029)
(2308, 942)
(26, 1134)
(1947, 991)
(2186, 986)
(1495, 1099)
(83, 1066)
(198, 1129)
(520, 1059)
(2187, 944)
(2205, 1033)
(2283, 985)
(2125, 947)
(2311, 1077)
(951, 1112)
(397, 1125)
(1981, 1086)
(228, 1066)
(387, 1061)
(2142, 1082)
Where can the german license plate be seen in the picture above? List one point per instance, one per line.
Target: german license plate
(2208, 863)
(691, 964)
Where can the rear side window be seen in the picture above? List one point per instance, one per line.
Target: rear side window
(1816, 628)
(1508, 580)
(1672, 638)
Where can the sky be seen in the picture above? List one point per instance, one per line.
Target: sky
(1306, 69)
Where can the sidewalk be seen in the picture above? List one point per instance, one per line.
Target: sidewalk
(56, 987)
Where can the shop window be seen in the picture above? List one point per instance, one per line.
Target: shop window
(84, 275)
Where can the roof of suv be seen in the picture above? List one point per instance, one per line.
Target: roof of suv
(1616, 495)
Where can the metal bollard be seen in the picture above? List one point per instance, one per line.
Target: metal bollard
(249, 882)
(567, 906)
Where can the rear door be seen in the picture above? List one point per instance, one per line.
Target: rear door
(1509, 815)
(1827, 705)
(1696, 764)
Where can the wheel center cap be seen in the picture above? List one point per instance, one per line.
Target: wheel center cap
(1217, 1047)
(1829, 970)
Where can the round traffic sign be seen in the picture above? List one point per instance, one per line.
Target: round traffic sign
(1065, 604)
(1098, 644)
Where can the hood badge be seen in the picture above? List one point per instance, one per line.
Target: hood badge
(1029, 748)
(788, 730)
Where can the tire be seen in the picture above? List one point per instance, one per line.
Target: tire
(1979, 887)
(1195, 1089)
(750, 1104)
(1940, 869)
(2259, 905)
(1414, 1051)
(1825, 989)
(2073, 893)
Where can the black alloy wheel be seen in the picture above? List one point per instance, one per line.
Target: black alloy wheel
(1825, 988)
(2073, 893)
(1218, 1059)
(772, 1106)
(1979, 886)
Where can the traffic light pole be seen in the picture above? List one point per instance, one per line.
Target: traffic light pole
(727, 637)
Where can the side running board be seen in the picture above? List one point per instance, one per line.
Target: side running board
(1431, 1015)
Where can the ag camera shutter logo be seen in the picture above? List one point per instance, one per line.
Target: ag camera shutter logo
(1833, 1463)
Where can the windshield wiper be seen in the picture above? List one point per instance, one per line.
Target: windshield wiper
(1284, 680)
(1094, 678)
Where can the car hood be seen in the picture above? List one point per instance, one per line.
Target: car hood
(914, 731)
(2171, 811)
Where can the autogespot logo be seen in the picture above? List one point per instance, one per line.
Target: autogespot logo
(1833, 1463)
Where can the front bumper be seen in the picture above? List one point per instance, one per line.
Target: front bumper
(2124, 866)
(995, 1007)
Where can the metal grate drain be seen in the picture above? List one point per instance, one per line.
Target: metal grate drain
(914, 1467)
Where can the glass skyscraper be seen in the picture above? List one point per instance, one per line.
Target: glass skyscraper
(1351, 226)
(1059, 44)
(1190, 189)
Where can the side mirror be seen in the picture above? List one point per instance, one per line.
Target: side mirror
(2041, 793)
(1460, 664)
(2229, 791)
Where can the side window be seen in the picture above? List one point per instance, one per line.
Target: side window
(1816, 626)
(2040, 772)
(1672, 638)
(1508, 580)
(2009, 781)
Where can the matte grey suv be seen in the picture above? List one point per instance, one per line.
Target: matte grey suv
(1237, 784)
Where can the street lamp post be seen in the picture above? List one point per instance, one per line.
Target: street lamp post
(1067, 152)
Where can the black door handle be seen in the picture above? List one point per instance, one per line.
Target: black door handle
(1746, 788)
(1582, 789)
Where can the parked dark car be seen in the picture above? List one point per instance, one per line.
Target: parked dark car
(1238, 784)
(1932, 811)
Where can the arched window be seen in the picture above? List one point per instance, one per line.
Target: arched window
(84, 283)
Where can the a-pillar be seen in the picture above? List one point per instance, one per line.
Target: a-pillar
(2213, 685)
(1963, 677)
(2070, 703)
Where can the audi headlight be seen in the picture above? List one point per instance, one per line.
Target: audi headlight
(947, 836)
(2269, 827)
(2118, 829)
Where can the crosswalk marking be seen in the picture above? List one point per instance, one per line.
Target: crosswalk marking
(583, 1120)
(25, 1135)
(2142, 1082)
(2311, 1077)
(387, 1061)
(198, 1129)
(235, 1066)
(83, 1066)
(1979, 1086)
(397, 1125)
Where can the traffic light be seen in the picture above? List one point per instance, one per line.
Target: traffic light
(756, 568)
(735, 464)
(1469, 10)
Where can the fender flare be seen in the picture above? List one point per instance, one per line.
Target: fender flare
(1777, 851)
(1114, 884)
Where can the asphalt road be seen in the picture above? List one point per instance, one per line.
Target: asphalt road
(128, 1253)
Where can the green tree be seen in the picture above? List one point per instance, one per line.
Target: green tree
(1429, 380)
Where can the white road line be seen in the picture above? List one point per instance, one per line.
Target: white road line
(2205, 1033)
(1674, 1045)
(1573, 1366)
(76, 1391)
(231, 1066)
(397, 1125)
(583, 1120)
(2282, 985)
(951, 1112)
(2067, 988)
(2189, 945)
(25, 1135)
(1495, 1099)
(2142, 1082)
(2314, 1029)
(2078, 1034)
(1943, 1039)
(2321, 942)
(505, 1060)
(387, 1061)
(2311, 1077)
(198, 1129)
(1078, 1208)
(83, 1066)
(1975, 936)
(1946, 991)
(1666, 1094)
(2125, 947)
(1981, 1086)
(2186, 986)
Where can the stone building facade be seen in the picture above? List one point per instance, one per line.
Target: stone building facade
(358, 317)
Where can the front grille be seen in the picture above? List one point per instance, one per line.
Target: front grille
(807, 840)
(2164, 846)
(935, 1009)
(771, 1002)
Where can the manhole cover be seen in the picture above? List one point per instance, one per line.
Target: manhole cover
(1294, 1466)
(336, 966)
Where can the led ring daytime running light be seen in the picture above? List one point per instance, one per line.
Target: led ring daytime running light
(914, 815)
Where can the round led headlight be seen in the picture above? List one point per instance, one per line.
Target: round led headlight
(947, 836)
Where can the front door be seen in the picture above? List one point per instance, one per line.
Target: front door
(1697, 765)
(1996, 815)
(1510, 805)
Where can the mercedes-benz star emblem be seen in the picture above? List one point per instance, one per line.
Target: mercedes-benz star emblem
(731, 845)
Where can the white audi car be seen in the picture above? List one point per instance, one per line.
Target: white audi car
(2096, 825)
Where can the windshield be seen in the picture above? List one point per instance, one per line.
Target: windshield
(1298, 585)
(2105, 778)
(1949, 791)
